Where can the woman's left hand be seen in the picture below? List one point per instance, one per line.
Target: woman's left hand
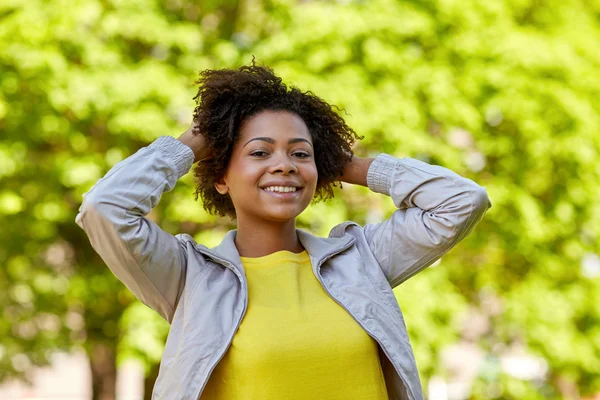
(355, 171)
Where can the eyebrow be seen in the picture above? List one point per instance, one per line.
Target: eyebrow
(272, 141)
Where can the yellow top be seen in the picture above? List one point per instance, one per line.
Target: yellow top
(295, 342)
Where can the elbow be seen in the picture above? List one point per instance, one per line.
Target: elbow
(90, 212)
(82, 214)
(450, 224)
(481, 201)
(462, 218)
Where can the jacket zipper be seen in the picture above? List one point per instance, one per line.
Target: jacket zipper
(245, 286)
(318, 269)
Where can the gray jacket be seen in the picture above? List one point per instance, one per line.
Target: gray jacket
(203, 291)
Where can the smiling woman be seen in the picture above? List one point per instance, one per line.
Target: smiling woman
(275, 312)
(227, 102)
(274, 151)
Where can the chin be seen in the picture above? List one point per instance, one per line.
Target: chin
(283, 215)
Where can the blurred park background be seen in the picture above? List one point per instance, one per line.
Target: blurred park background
(505, 92)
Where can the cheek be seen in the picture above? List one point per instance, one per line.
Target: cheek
(247, 174)
(313, 176)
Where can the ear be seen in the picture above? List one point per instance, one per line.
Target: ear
(221, 186)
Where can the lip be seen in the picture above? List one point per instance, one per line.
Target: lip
(288, 195)
(282, 183)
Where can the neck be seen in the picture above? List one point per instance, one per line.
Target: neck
(257, 240)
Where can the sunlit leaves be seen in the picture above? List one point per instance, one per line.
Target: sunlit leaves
(503, 92)
(11, 203)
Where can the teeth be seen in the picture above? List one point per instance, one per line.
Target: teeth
(280, 189)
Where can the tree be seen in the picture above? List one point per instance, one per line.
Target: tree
(84, 84)
(501, 92)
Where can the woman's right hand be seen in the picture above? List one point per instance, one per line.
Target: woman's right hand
(196, 142)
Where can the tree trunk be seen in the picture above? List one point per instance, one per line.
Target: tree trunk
(230, 11)
(149, 381)
(103, 363)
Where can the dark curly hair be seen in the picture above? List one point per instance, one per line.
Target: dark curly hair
(227, 97)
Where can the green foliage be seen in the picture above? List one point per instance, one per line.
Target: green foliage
(503, 92)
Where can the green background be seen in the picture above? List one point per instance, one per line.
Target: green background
(505, 92)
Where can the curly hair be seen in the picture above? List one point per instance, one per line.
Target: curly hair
(227, 97)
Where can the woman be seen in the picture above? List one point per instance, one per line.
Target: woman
(274, 312)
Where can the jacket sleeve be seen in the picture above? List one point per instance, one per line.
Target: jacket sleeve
(148, 260)
(436, 209)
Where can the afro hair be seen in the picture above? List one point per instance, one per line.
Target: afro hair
(228, 97)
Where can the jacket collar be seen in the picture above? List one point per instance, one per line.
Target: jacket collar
(317, 247)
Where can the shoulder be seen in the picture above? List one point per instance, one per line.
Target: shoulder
(186, 240)
(347, 228)
(195, 252)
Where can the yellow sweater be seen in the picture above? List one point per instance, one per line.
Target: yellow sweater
(295, 342)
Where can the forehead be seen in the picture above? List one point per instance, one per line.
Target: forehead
(274, 124)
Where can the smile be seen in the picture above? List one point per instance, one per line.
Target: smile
(282, 192)
(281, 189)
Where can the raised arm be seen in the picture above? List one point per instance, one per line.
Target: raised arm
(148, 260)
(437, 208)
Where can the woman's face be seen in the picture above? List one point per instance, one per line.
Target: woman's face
(272, 175)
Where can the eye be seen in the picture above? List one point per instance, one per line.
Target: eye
(258, 153)
(302, 154)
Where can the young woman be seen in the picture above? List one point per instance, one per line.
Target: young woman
(274, 312)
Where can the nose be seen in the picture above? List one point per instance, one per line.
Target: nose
(283, 164)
